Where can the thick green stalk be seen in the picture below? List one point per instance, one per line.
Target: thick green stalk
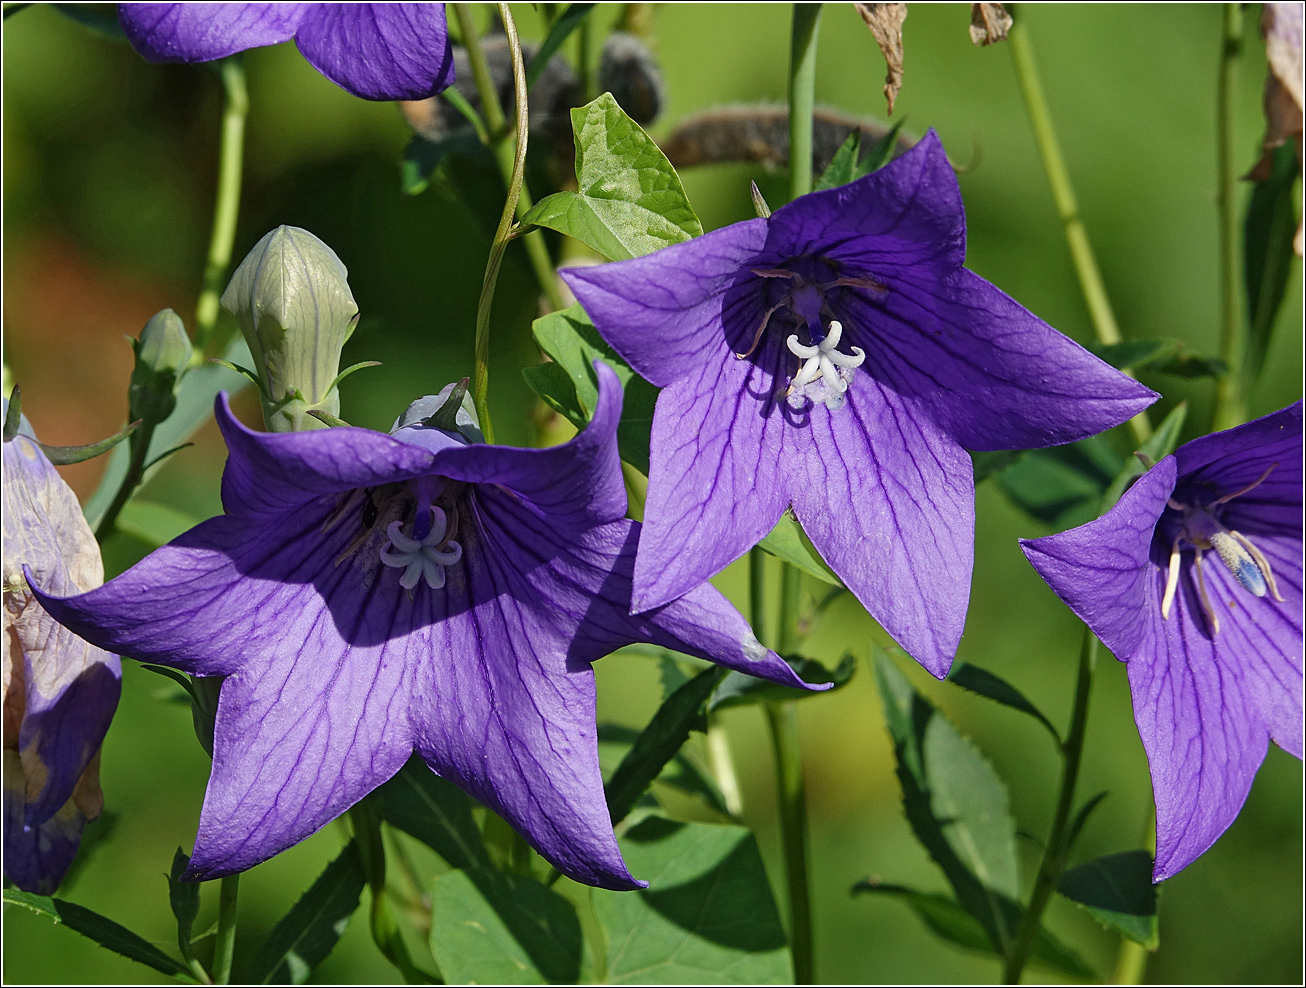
(231, 158)
(802, 96)
(224, 947)
(782, 718)
(1056, 850)
(1063, 194)
(1230, 408)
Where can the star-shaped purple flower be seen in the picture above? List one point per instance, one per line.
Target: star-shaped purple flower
(836, 358)
(60, 693)
(379, 51)
(1194, 580)
(368, 595)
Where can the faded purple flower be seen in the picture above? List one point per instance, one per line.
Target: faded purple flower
(836, 358)
(370, 595)
(379, 51)
(59, 692)
(1194, 580)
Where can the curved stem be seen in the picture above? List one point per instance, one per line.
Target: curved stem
(1057, 849)
(1229, 402)
(231, 157)
(139, 443)
(802, 96)
(224, 947)
(481, 370)
(1063, 194)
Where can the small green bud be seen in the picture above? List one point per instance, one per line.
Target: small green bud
(291, 298)
(163, 353)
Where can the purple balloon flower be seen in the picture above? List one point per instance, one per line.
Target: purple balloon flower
(370, 595)
(1194, 579)
(836, 358)
(59, 692)
(379, 51)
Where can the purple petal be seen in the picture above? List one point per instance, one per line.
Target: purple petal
(1101, 570)
(889, 502)
(906, 214)
(662, 312)
(201, 32)
(37, 857)
(379, 51)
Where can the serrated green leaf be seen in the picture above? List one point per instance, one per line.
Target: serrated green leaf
(1062, 485)
(1117, 889)
(843, 166)
(573, 343)
(304, 937)
(629, 200)
(560, 32)
(492, 928)
(955, 803)
(986, 684)
(1160, 444)
(1268, 257)
(881, 152)
(948, 920)
(101, 929)
(789, 542)
(707, 916)
(738, 689)
(658, 743)
(433, 810)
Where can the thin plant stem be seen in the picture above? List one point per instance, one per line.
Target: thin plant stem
(481, 369)
(224, 946)
(782, 719)
(491, 111)
(1063, 194)
(1230, 408)
(584, 71)
(1132, 957)
(802, 96)
(139, 444)
(231, 158)
(1057, 849)
(757, 590)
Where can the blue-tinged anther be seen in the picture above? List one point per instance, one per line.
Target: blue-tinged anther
(1240, 563)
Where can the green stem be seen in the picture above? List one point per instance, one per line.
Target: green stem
(757, 591)
(1131, 963)
(1057, 849)
(1063, 194)
(490, 108)
(224, 947)
(139, 443)
(584, 71)
(782, 718)
(802, 96)
(1230, 409)
(481, 370)
(231, 156)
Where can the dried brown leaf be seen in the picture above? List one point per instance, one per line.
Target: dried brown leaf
(885, 21)
(1282, 26)
(989, 22)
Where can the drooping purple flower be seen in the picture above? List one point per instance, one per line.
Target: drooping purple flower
(1194, 580)
(837, 358)
(60, 693)
(379, 51)
(369, 595)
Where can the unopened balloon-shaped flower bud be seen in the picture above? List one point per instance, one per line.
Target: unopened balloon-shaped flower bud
(291, 299)
(163, 353)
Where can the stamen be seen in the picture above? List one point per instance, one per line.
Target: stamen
(874, 286)
(757, 338)
(343, 509)
(1250, 487)
(777, 273)
(1261, 562)
(1172, 580)
(1206, 600)
(1239, 562)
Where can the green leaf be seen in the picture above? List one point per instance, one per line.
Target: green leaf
(1185, 363)
(1081, 818)
(423, 156)
(574, 344)
(843, 166)
(1269, 259)
(881, 152)
(681, 773)
(435, 811)
(1118, 890)
(62, 456)
(738, 689)
(153, 523)
(630, 201)
(1129, 354)
(195, 397)
(986, 684)
(947, 919)
(1062, 486)
(101, 929)
(560, 32)
(955, 803)
(1159, 445)
(789, 542)
(309, 932)
(986, 464)
(707, 916)
(658, 743)
(492, 928)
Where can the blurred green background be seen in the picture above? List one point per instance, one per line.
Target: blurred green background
(109, 169)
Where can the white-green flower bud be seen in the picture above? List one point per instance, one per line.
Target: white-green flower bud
(163, 353)
(291, 298)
